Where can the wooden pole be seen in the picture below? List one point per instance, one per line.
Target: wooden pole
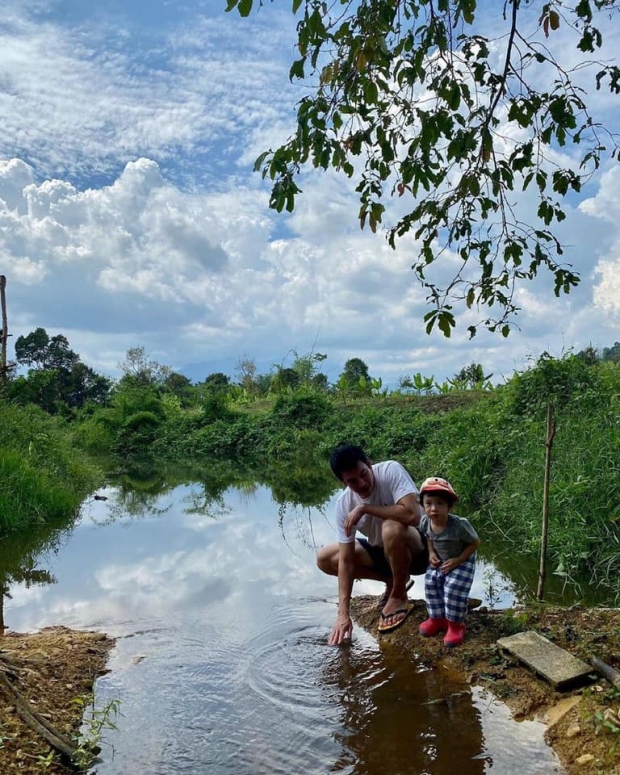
(4, 333)
(545, 522)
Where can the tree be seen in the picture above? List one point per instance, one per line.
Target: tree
(612, 353)
(57, 376)
(589, 355)
(284, 377)
(217, 381)
(307, 369)
(355, 376)
(81, 385)
(410, 99)
(39, 387)
(38, 350)
(179, 385)
(246, 369)
(139, 369)
(472, 376)
(31, 350)
(319, 382)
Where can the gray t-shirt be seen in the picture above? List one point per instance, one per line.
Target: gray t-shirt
(451, 541)
(392, 482)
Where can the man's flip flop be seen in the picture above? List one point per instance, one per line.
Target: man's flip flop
(402, 612)
(381, 603)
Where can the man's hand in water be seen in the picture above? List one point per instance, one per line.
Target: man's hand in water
(341, 632)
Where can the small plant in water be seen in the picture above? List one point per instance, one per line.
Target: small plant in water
(96, 723)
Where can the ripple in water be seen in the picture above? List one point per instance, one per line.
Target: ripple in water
(288, 723)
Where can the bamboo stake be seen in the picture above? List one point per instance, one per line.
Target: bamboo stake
(4, 332)
(545, 522)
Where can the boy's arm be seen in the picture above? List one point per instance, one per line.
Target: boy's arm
(454, 562)
(433, 557)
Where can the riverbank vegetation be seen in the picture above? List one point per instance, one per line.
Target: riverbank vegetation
(43, 476)
(489, 440)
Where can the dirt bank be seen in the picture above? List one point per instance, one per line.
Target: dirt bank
(583, 722)
(51, 670)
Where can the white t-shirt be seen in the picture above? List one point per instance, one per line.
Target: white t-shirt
(392, 482)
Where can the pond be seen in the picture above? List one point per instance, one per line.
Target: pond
(222, 664)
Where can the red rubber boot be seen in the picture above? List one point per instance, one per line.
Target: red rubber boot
(455, 635)
(432, 627)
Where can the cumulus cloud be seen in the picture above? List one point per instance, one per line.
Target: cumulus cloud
(208, 276)
(129, 214)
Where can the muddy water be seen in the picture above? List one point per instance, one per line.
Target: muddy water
(222, 664)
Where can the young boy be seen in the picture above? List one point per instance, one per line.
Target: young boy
(452, 544)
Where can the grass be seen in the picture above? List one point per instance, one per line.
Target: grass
(43, 476)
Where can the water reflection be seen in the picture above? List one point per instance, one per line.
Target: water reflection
(221, 662)
(20, 557)
(419, 721)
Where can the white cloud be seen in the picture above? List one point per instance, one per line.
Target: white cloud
(606, 207)
(129, 215)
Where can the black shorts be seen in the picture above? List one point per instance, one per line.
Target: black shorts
(382, 566)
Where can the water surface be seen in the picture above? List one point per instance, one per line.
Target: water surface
(222, 664)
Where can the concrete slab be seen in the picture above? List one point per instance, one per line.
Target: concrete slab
(546, 659)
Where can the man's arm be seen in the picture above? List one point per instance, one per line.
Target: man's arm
(346, 564)
(406, 511)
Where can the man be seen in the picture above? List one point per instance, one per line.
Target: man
(381, 502)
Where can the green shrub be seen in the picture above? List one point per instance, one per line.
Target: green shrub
(137, 433)
(301, 411)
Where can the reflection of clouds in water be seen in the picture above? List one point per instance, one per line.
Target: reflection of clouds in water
(144, 569)
(230, 623)
(148, 568)
(512, 748)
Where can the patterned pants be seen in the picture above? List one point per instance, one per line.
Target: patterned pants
(447, 595)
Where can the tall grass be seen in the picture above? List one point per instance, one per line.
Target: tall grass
(43, 476)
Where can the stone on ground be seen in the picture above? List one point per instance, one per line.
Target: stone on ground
(546, 659)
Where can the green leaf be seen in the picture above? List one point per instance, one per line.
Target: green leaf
(446, 323)
(260, 160)
(297, 69)
(296, 4)
(245, 6)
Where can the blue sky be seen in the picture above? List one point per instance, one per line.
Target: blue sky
(129, 213)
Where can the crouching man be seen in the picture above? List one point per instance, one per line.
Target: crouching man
(380, 502)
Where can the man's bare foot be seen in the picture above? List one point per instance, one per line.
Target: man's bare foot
(394, 604)
(398, 611)
(382, 601)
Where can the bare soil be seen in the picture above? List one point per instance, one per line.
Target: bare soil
(50, 669)
(582, 722)
(57, 665)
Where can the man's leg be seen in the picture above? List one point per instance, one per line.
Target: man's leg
(327, 561)
(404, 550)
